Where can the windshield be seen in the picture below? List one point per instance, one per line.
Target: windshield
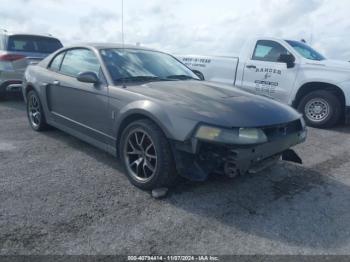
(144, 65)
(38, 44)
(306, 51)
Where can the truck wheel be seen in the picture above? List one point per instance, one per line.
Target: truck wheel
(320, 108)
(146, 155)
(35, 112)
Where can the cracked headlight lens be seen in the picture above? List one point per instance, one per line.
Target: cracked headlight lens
(241, 136)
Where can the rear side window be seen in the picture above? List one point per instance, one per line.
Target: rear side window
(80, 60)
(269, 51)
(56, 62)
(37, 44)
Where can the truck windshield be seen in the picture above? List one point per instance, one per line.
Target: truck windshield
(137, 65)
(306, 51)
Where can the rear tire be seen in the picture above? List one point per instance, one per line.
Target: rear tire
(35, 112)
(146, 156)
(321, 109)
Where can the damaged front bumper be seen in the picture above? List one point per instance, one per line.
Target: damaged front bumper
(197, 159)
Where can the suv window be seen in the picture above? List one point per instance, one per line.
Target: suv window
(38, 44)
(56, 62)
(268, 51)
(80, 60)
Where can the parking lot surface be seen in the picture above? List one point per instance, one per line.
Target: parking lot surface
(59, 195)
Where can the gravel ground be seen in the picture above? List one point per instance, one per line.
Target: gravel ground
(59, 195)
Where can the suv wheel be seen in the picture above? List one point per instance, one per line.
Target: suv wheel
(146, 155)
(35, 112)
(320, 108)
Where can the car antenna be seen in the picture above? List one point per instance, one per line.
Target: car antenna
(123, 44)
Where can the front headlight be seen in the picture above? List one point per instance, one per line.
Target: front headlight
(239, 136)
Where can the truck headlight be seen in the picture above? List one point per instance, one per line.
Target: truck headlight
(239, 136)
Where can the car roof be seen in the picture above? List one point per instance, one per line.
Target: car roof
(98, 46)
(110, 46)
(5, 33)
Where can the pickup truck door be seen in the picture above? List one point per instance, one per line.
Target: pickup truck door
(265, 75)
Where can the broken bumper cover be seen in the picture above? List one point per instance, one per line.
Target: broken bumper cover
(198, 159)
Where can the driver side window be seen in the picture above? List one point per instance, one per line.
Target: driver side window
(79, 60)
(269, 51)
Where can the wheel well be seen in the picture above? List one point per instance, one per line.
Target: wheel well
(28, 89)
(130, 119)
(309, 87)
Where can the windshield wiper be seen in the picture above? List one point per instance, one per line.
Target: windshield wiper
(181, 77)
(139, 79)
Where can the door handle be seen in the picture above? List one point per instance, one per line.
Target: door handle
(251, 66)
(56, 83)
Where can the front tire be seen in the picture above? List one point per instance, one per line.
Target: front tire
(35, 112)
(146, 155)
(321, 109)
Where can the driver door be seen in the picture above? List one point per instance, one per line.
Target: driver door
(81, 107)
(265, 75)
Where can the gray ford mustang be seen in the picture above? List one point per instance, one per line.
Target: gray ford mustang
(155, 114)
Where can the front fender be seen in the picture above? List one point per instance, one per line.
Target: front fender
(174, 127)
(345, 87)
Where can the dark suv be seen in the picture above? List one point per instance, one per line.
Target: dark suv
(19, 50)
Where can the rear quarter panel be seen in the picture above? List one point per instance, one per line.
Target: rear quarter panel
(34, 78)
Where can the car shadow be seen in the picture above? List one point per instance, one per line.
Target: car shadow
(84, 147)
(13, 101)
(344, 128)
(287, 203)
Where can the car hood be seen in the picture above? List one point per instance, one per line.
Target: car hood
(216, 103)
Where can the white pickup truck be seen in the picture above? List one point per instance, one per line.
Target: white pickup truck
(288, 71)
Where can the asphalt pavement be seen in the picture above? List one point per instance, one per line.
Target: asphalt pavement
(59, 195)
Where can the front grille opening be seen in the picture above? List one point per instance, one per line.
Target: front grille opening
(278, 131)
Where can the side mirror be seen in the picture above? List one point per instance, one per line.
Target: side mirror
(88, 77)
(289, 59)
(199, 74)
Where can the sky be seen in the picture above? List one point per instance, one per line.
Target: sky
(207, 27)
